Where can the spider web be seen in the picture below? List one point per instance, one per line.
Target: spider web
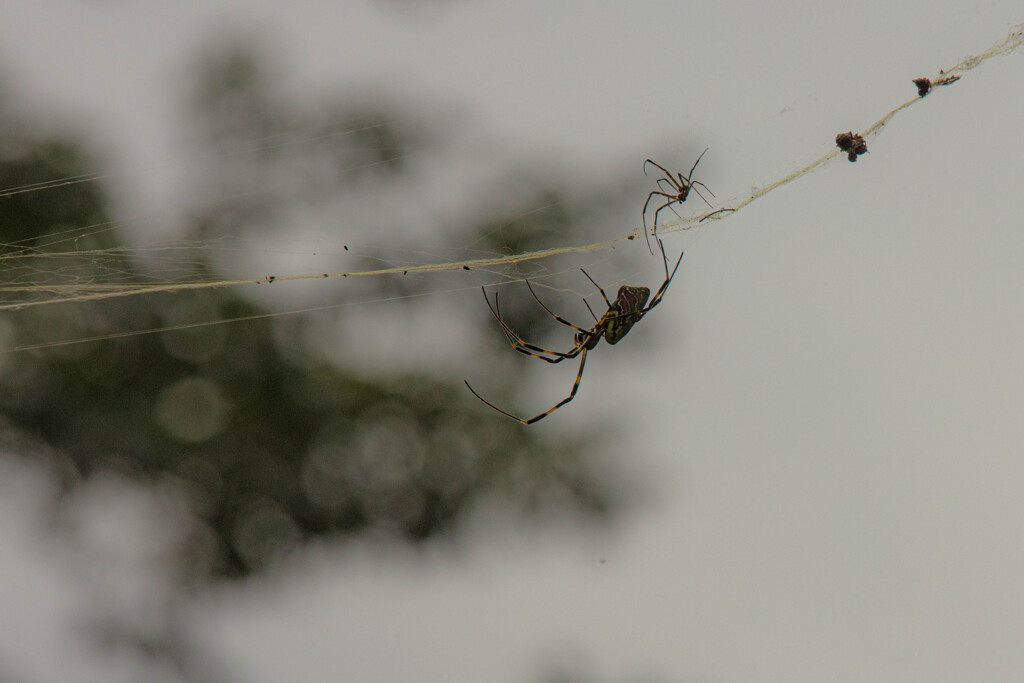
(64, 269)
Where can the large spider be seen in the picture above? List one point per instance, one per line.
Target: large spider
(679, 191)
(626, 311)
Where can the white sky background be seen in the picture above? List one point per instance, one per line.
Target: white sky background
(829, 408)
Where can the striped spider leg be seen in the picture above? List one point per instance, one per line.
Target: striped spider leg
(521, 345)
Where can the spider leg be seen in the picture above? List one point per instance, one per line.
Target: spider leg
(663, 170)
(695, 164)
(571, 396)
(603, 295)
(664, 258)
(668, 280)
(520, 345)
(653, 193)
(697, 182)
(553, 315)
(644, 213)
(663, 206)
(664, 286)
(714, 213)
(511, 336)
(671, 184)
(592, 314)
(694, 186)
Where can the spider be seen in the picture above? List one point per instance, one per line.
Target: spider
(627, 310)
(680, 190)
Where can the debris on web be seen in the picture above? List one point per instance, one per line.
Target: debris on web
(852, 143)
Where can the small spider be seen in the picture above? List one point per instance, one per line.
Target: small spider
(679, 191)
(627, 310)
(851, 143)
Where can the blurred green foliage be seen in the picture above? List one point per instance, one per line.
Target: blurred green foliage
(271, 446)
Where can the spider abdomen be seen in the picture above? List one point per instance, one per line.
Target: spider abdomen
(624, 312)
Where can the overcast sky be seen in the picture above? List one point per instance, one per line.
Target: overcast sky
(828, 412)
